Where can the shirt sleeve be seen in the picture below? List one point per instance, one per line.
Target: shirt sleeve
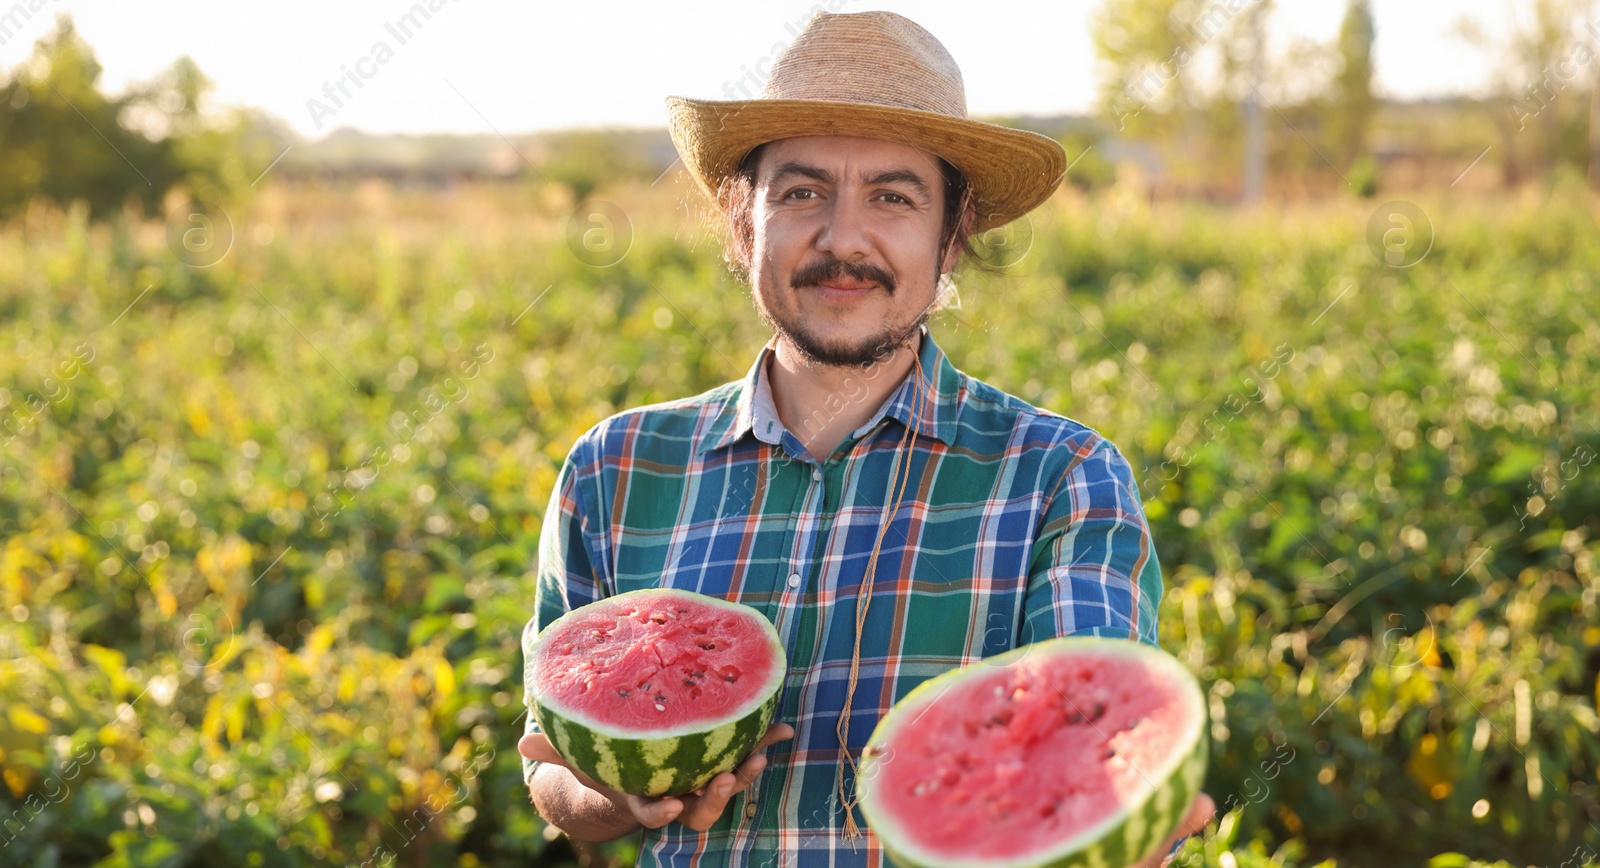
(566, 576)
(1094, 570)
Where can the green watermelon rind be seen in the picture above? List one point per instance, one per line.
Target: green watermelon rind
(1123, 839)
(667, 761)
(655, 767)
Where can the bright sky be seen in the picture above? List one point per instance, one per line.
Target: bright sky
(524, 66)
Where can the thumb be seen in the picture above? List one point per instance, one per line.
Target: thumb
(1200, 813)
(536, 746)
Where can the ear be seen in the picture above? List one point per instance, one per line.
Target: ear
(952, 254)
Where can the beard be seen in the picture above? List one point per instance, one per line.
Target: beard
(786, 322)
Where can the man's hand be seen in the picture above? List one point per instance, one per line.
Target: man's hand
(1200, 813)
(697, 810)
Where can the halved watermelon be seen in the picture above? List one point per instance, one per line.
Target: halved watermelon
(655, 692)
(1072, 751)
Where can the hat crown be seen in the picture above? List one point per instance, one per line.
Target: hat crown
(878, 58)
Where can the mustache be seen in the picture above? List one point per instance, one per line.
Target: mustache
(833, 267)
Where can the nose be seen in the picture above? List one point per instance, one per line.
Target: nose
(844, 230)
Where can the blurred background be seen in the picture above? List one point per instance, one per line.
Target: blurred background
(302, 307)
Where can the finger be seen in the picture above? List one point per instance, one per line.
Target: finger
(703, 811)
(1201, 810)
(537, 747)
(712, 799)
(1200, 814)
(774, 734)
(751, 768)
(654, 813)
(748, 771)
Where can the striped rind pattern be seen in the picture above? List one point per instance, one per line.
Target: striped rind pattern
(1145, 826)
(656, 766)
(658, 763)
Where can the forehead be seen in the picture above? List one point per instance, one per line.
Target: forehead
(850, 152)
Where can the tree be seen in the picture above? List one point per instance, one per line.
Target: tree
(1255, 129)
(217, 154)
(1352, 101)
(1537, 59)
(585, 160)
(1147, 60)
(1152, 53)
(62, 139)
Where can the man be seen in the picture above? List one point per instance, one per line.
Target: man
(894, 517)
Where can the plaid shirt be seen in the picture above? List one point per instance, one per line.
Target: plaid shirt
(1017, 525)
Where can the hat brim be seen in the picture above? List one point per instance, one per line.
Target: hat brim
(1010, 171)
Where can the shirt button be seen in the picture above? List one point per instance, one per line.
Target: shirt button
(816, 476)
(794, 580)
(750, 810)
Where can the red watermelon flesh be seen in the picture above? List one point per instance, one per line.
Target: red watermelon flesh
(1006, 763)
(657, 662)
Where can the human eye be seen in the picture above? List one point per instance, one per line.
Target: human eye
(798, 190)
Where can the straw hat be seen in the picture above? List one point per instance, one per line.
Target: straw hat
(877, 75)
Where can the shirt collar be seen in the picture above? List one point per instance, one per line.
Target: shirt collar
(752, 411)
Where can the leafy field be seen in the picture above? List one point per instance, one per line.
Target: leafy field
(268, 524)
